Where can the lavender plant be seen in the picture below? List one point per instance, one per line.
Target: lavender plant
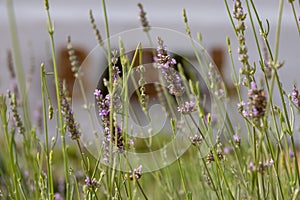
(255, 157)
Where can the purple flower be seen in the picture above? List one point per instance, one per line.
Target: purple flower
(227, 150)
(196, 139)
(116, 72)
(136, 173)
(256, 105)
(57, 196)
(187, 108)
(105, 159)
(87, 181)
(165, 64)
(255, 112)
(253, 85)
(131, 142)
(103, 112)
(91, 183)
(143, 19)
(97, 93)
(251, 166)
(245, 113)
(111, 137)
(292, 155)
(295, 96)
(271, 163)
(72, 125)
(236, 140)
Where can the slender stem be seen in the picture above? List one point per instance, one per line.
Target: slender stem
(296, 160)
(236, 83)
(144, 194)
(86, 168)
(60, 127)
(87, 106)
(18, 63)
(9, 141)
(179, 163)
(295, 16)
(110, 89)
(230, 17)
(278, 30)
(210, 177)
(183, 179)
(48, 157)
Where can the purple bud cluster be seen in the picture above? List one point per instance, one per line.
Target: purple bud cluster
(57, 196)
(240, 27)
(136, 173)
(256, 106)
(267, 62)
(143, 19)
(72, 125)
(196, 139)
(110, 137)
(115, 69)
(236, 139)
(91, 183)
(165, 64)
(187, 108)
(211, 158)
(295, 96)
(261, 167)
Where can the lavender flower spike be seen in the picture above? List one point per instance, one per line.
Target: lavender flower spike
(187, 108)
(143, 19)
(72, 125)
(256, 105)
(113, 136)
(295, 96)
(165, 63)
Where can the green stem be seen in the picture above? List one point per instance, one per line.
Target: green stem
(230, 17)
(18, 63)
(296, 160)
(210, 177)
(179, 164)
(56, 80)
(110, 90)
(278, 30)
(295, 16)
(183, 179)
(9, 141)
(48, 157)
(140, 187)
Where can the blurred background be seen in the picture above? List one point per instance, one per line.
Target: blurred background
(71, 17)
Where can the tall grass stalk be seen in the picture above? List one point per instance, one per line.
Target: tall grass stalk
(18, 63)
(45, 127)
(9, 136)
(58, 99)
